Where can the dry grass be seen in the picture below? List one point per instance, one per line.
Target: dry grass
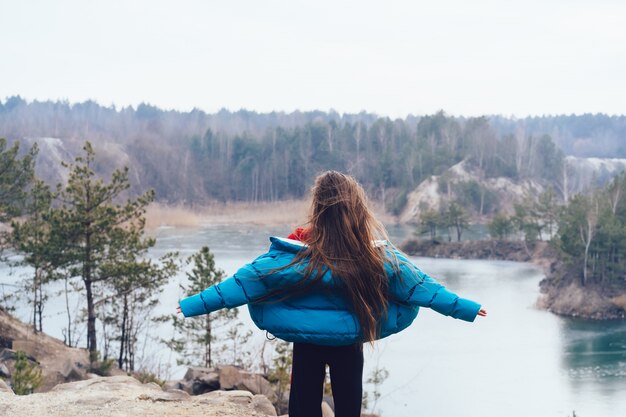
(289, 212)
(161, 215)
(292, 212)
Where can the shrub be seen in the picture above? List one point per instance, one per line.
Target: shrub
(146, 377)
(27, 376)
(102, 368)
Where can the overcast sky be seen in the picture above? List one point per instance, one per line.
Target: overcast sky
(468, 57)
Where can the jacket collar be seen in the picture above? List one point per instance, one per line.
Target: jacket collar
(295, 246)
(286, 245)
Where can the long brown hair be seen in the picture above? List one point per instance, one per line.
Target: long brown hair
(341, 237)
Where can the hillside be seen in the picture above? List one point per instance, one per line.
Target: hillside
(195, 158)
(481, 196)
(459, 181)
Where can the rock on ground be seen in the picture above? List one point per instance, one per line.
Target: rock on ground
(58, 362)
(123, 396)
(4, 387)
(200, 380)
(229, 377)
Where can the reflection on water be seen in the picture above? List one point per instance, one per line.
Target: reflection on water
(594, 353)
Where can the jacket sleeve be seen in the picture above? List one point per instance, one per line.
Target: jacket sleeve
(243, 287)
(411, 286)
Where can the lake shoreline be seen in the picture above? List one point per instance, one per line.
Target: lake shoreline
(539, 253)
(560, 291)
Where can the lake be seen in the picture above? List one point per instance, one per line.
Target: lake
(519, 361)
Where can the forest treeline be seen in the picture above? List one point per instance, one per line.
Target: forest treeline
(195, 157)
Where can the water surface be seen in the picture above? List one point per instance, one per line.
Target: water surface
(519, 361)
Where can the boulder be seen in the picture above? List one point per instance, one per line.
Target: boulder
(230, 377)
(29, 347)
(263, 405)
(187, 386)
(205, 385)
(168, 385)
(257, 384)
(4, 387)
(71, 371)
(171, 395)
(50, 353)
(221, 397)
(200, 380)
(125, 397)
(100, 392)
(101, 384)
(4, 371)
(197, 372)
(7, 355)
(179, 393)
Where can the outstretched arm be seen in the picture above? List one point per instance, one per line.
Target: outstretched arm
(416, 288)
(245, 286)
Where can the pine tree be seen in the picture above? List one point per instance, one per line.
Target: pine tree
(456, 216)
(430, 220)
(500, 226)
(27, 376)
(33, 239)
(135, 283)
(197, 337)
(93, 228)
(16, 174)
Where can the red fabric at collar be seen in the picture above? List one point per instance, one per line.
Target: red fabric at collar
(300, 234)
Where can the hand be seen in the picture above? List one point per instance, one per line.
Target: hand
(482, 312)
(178, 310)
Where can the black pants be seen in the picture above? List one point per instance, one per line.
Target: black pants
(307, 379)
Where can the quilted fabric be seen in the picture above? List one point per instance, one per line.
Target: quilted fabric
(321, 314)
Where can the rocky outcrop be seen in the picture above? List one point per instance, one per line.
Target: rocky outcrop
(58, 362)
(199, 380)
(429, 196)
(4, 387)
(586, 302)
(425, 196)
(563, 293)
(124, 396)
(227, 391)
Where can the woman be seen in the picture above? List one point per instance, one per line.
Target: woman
(330, 288)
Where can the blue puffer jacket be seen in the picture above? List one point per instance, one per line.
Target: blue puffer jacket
(322, 315)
